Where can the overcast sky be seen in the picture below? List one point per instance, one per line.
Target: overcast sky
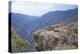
(38, 9)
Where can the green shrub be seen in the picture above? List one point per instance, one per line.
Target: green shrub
(18, 44)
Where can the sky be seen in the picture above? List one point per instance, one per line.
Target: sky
(37, 8)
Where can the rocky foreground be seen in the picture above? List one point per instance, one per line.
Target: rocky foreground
(56, 37)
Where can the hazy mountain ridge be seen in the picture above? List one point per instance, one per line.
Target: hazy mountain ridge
(21, 22)
(56, 17)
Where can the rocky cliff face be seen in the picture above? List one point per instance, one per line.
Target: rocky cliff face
(55, 37)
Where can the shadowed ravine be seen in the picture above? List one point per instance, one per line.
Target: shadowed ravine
(31, 47)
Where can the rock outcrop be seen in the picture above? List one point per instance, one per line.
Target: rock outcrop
(55, 37)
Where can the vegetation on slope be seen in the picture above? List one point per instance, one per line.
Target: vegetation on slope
(18, 44)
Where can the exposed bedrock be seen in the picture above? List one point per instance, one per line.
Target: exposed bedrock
(55, 37)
